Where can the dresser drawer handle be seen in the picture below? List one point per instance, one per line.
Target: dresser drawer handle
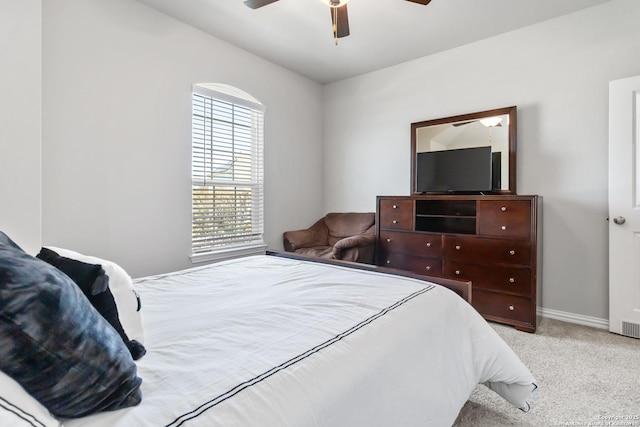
(395, 221)
(512, 308)
(503, 209)
(504, 228)
(457, 272)
(512, 280)
(395, 206)
(428, 244)
(428, 267)
(512, 252)
(458, 247)
(388, 240)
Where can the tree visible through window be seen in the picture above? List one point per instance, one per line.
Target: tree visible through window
(227, 169)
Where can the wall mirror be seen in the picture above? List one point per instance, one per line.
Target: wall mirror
(451, 136)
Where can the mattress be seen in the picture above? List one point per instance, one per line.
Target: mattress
(268, 341)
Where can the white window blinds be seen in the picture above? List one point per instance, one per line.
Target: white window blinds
(227, 171)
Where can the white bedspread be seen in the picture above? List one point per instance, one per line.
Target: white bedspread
(266, 341)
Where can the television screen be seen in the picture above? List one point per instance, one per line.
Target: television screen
(461, 170)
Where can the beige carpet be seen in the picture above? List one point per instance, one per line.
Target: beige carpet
(585, 377)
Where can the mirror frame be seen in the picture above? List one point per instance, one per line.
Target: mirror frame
(512, 132)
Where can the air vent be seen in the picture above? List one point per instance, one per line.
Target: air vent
(631, 329)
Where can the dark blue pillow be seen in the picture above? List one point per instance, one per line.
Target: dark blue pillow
(55, 344)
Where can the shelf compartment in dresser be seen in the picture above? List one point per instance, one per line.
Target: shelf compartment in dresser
(446, 207)
(435, 224)
(438, 216)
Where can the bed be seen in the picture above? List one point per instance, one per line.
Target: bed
(272, 341)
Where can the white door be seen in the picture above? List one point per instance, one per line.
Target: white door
(624, 206)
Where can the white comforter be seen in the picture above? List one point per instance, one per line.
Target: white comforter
(265, 341)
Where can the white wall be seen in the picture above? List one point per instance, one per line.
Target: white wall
(20, 101)
(117, 79)
(557, 73)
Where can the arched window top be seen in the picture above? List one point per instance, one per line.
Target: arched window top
(229, 93)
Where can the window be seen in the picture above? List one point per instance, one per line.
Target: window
(227, 173)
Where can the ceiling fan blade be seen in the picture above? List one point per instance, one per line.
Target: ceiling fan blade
(463, 123)
(340, 21)
(422, 2)
(255, 4)
(473, 121)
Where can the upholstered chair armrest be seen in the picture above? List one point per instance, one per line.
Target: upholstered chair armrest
(316, 235)
(366, 239)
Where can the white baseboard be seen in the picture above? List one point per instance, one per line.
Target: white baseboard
(594, 322)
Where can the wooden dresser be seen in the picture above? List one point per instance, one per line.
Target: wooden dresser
(490, 240)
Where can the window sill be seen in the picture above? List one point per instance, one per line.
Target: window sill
(229, 253)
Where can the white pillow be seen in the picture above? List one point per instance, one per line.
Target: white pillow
(121, 286)
(19, 409)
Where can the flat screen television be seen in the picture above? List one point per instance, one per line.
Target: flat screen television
(449, 171)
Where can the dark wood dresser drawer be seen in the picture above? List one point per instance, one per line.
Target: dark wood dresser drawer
(508, 218)
(503, 306)
(515, 280)
(396, 214)
(415, 264)
(423, 244)
(486, 250)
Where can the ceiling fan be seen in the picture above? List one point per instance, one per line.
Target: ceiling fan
(339, 18)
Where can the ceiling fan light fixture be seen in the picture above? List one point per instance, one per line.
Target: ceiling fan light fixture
(491, 121)
(335, 3)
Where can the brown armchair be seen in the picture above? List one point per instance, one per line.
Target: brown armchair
(346, 236)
